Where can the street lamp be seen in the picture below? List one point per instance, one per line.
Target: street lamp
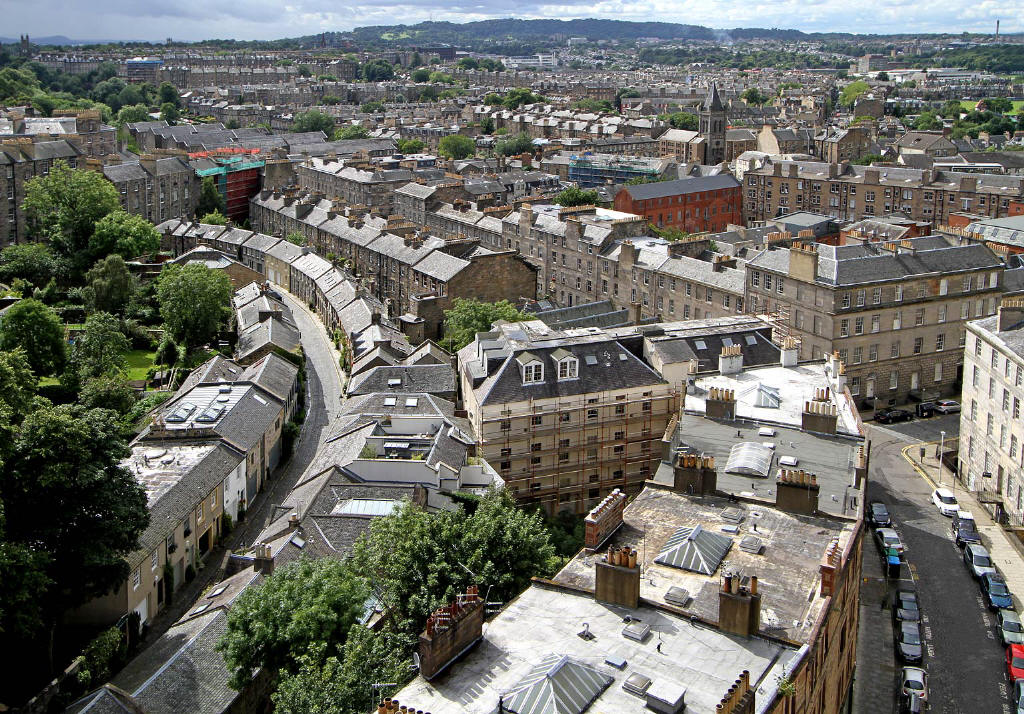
(942, 443)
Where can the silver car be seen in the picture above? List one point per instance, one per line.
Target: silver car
(1011, 631)
(978, 560)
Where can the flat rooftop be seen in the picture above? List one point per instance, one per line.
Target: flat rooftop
(793, 385)
(545, 621)
(159, 467)
(786, 569)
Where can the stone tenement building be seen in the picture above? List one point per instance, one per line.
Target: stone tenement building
(155, 187)
(585, 254)
(991, 430)
(21, 160)
(374, 189)
(852, 193)
(417, 275)
(895, 312)
(694, 204)
(83, 128)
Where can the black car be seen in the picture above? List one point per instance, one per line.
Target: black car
(965, 531)
(925, 409)
(905, 607)
(878, 515)
(892, 416)
(908, 642)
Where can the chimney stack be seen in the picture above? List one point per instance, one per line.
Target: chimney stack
(720, 403)
(451, 630)
(604, 520)
(694, 475)
(831, 563)
(730, 360)
(739, 605)
(740, 697)
(618, 578)
(790, 352)
(1011, 313)
(820, 417)
(836, 371)
(803, 262)
(796, 492)
(263, 560)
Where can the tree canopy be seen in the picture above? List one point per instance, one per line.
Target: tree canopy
(195, 302)
(33, 327)
(852, 91)
(378, 70)
(684, 120)
(576, 196)
(420, 75)
(755, 97)
(467, 317)
(210, 199)
(313, 120)
(456, 146)
(216, 218)
(272, 625)
(34, 263)
(351, 132)
(410, 146)
(521, 143)
(109, 285)
(99, 349)
(124, 234)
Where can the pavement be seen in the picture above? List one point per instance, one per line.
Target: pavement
(963, 657)
(324, 396)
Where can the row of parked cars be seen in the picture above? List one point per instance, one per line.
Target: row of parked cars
(892, 415)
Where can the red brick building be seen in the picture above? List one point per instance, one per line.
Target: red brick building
(692, 204)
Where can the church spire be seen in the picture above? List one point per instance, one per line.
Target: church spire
(714, 102)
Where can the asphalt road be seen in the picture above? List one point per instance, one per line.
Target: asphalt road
(963, 657)
(924, 429)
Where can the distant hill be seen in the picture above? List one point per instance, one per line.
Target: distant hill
(54, 40)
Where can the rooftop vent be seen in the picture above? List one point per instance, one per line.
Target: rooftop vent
(637, 631)
(559, 685)
(695, 549)
(637, 684)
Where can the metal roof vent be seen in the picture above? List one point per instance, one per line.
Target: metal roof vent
(637, 684)
(637, 631)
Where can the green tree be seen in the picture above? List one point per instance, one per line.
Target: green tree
(32, 326)
(416, 60)
(17, 386)
(927, 121)
(456, 146)
(378, 70)
(594, 105)
(305, 70)
(296, 238)
(351, 132)
(210, 199)
(99, 349)
(575, 196)
(167, 93)
(683, 120)
(70, 458)
(999, 105)
(330, 100)
(882, 76)
(109, 285)
(313, 120)
(487, 125)
(467, 63)
(515, 145)
(194, 302)
(124, 234)
(132, 114)
(467, 317)
(755, 97)
(852, 91)
(420, 75)
(170, 113)
(109, 392)
(32, 262)
(867, 159)
(64, 208)
(311, 602)
(338, 684)
(214, 219)
(418, 561)
(372, 107)
(23, 585)
(410, 146)
(441, 78)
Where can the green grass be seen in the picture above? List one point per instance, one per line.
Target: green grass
(969, 104)
(139, 362)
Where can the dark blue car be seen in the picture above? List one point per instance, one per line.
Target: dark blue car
(997, 595)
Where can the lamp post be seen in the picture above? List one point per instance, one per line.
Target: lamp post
(942, 443)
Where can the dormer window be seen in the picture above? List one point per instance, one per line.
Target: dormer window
(533, 372)
(568, 368)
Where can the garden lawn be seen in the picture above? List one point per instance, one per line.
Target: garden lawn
(969, 104)
(139, 362)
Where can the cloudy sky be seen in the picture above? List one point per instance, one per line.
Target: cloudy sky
(270, 19)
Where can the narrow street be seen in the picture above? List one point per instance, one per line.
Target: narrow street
(963, 656)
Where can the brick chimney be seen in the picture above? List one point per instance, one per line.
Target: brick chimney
(860, 469)
(803, 262)
(796, 492)
(831, 563)
(790, 353)
(739, 605)
(618, 578)
(720, 403)
(263, 561)
(730, 360)
(604, 520)
(836, 371)
(450, 631)
(1011, 313)
(819, 416)
(740, 697)
(694, 475)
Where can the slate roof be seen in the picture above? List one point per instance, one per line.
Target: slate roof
(429, 378)
(274, 374)
(681, 186)
(274, 331)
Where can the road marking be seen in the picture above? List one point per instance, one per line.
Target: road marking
(920, 472)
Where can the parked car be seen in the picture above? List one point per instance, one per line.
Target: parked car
(889, 538)
(965, 530)
(925, 409)
(891, 416)
(997, 595)
(1011, 632)
(977, 560)
(947, 406)
(878, 514)
(1018, 696)
(1015, 662)
(908, 642)
(905, 607)
(914, 683)
(945, 501)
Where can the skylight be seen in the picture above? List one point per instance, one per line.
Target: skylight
(701, 345)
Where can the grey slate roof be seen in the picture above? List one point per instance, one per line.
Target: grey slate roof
(681, 186)
(429, 378)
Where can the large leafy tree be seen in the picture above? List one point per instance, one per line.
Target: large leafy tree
(109, 285)
(100, 349)
(31, 262)
(521, 143)
(69, 459)
(35, 328)
(456, 146)
(420, 561)
(378, 70)
(17, 386)
(852, 91)
(194, 302)
(133, 114)
(308, 603)
(168, 93)
(468, 316)
(575, 196)
(313, 121)
(64, 208)
(210, 199)
(124, 234)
